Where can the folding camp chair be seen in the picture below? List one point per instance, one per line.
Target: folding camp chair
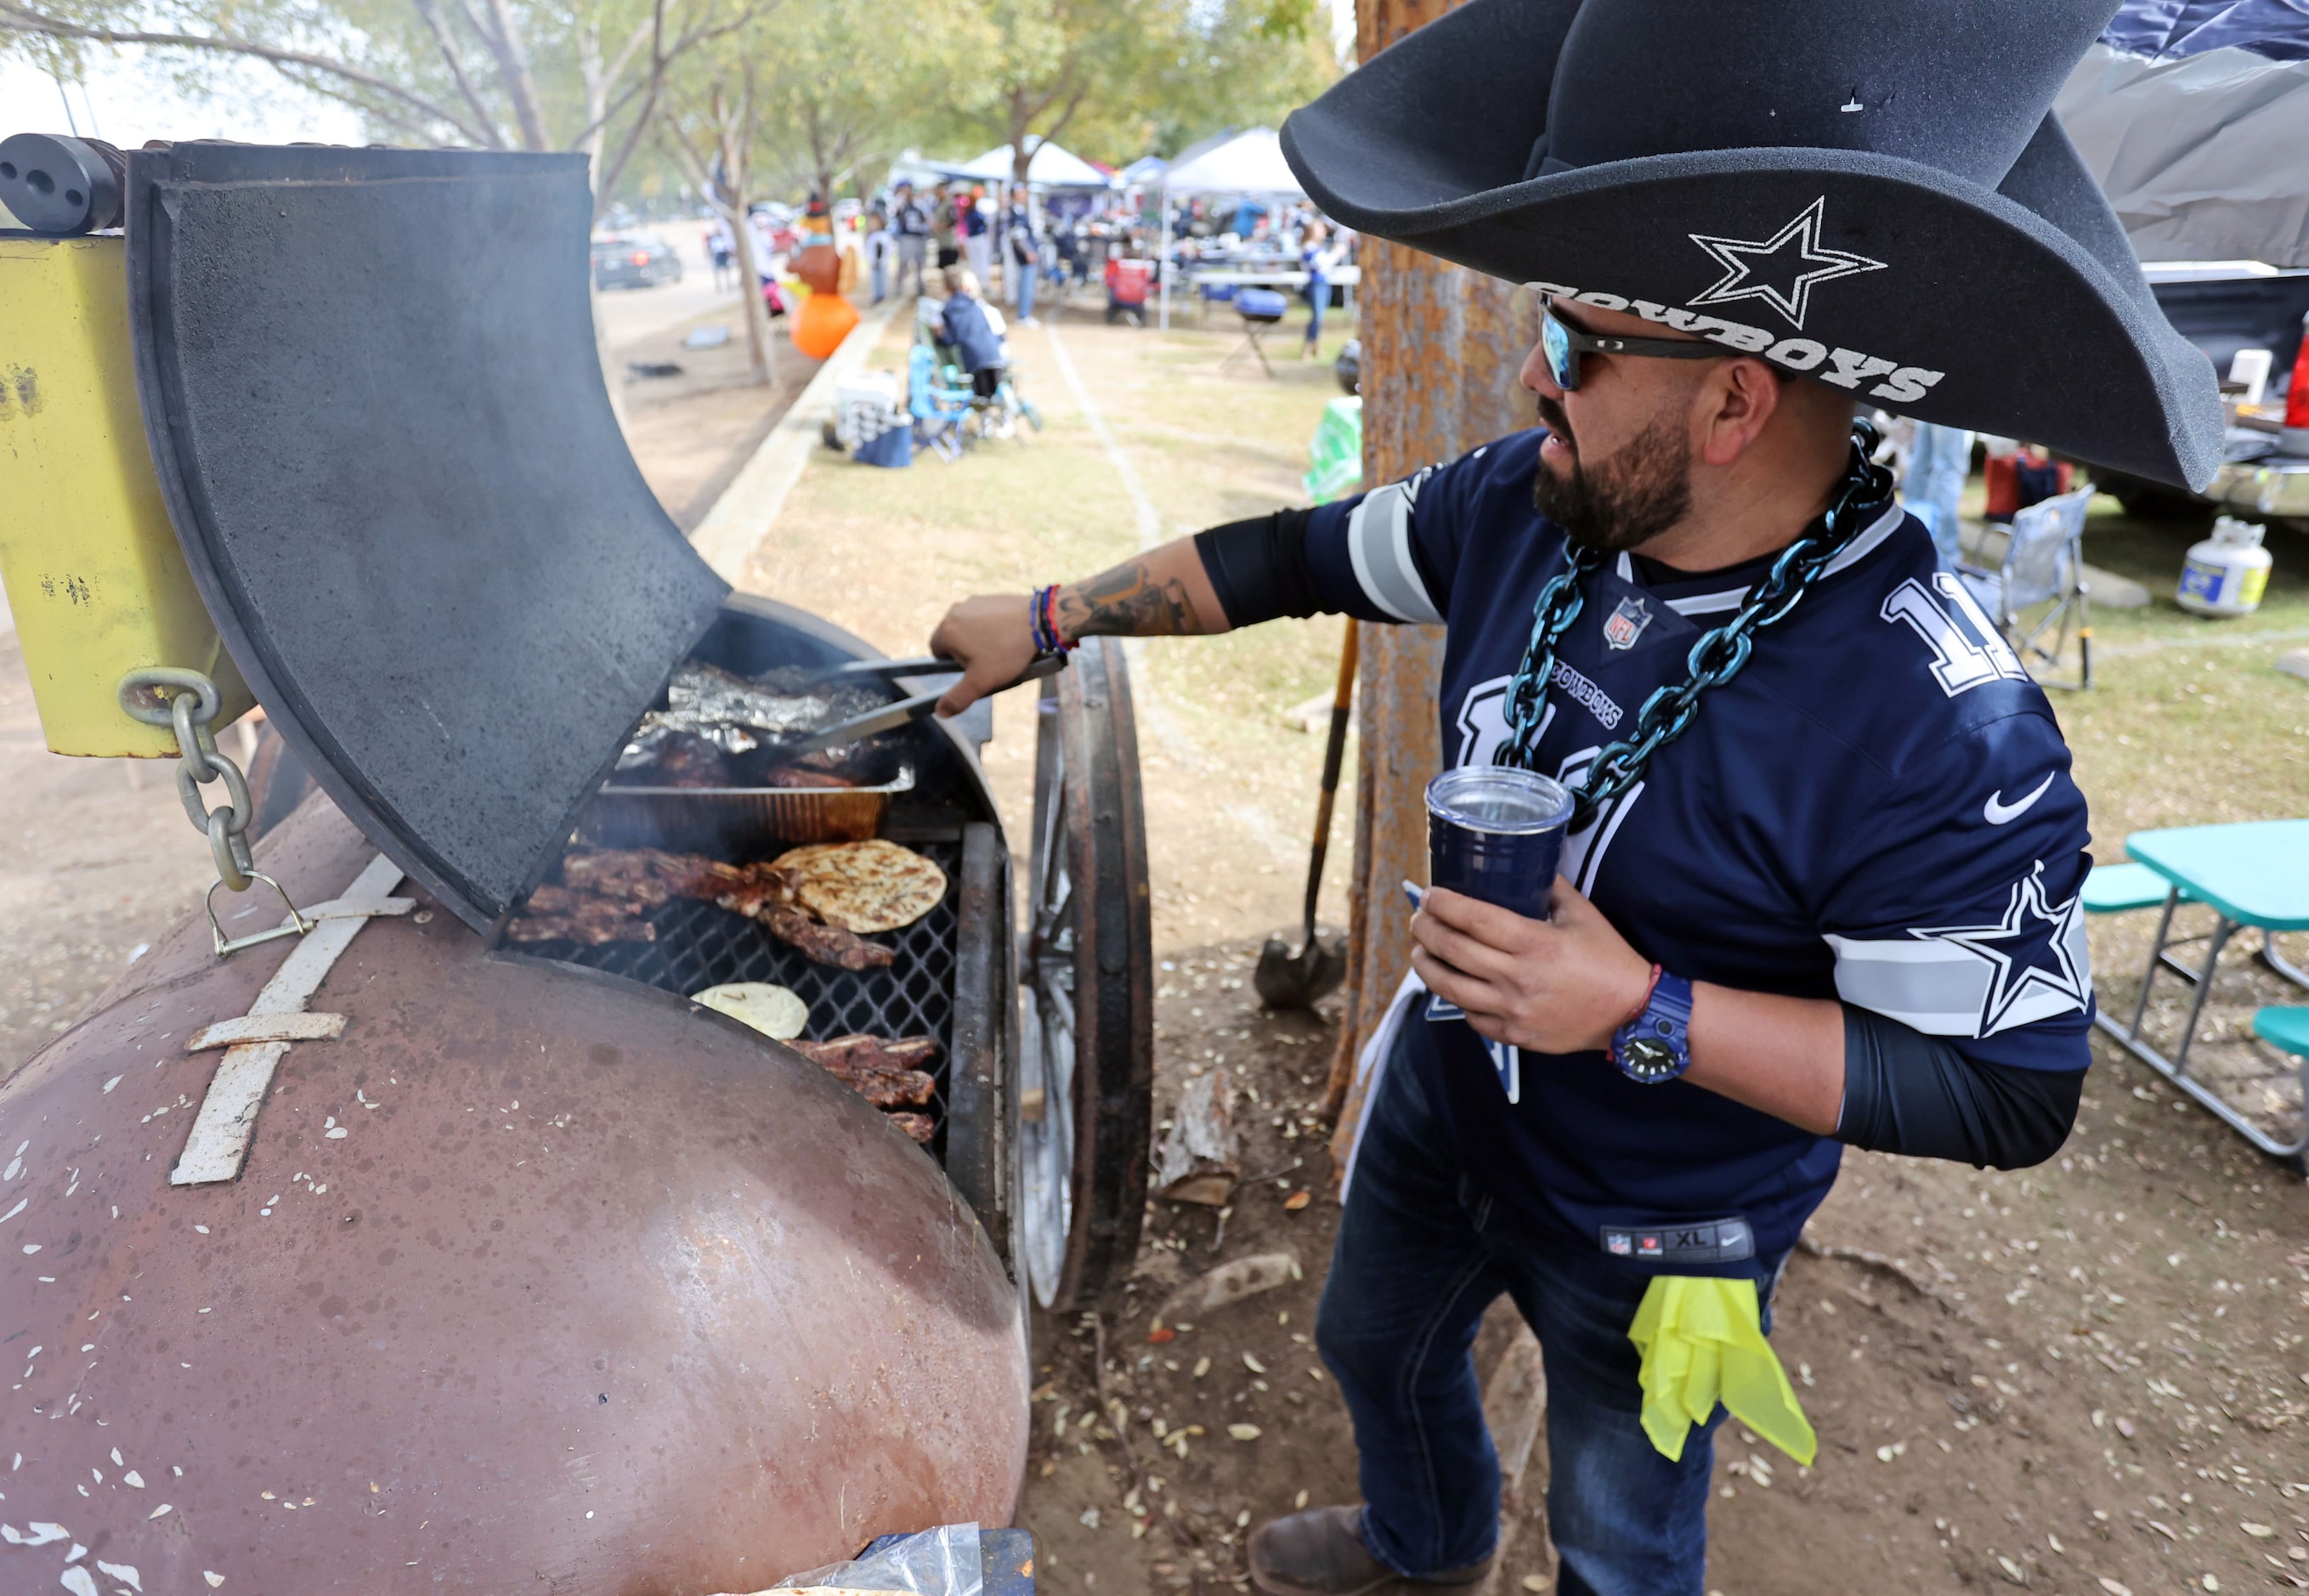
(939, 408)
(1262, 311)
(2044, 564)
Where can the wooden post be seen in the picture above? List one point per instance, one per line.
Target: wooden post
(1441, 348)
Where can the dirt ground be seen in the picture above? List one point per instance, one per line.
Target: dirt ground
(2090, 1378)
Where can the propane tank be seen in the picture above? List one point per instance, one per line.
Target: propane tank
(2224, 575)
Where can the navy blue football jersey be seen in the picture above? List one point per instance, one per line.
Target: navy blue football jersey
(1878, 809)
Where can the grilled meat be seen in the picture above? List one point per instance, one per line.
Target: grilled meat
(605, 893)
(825, 945)
(922, 1127)
(886, 1073)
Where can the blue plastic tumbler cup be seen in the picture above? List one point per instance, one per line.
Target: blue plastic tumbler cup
(1496, 832)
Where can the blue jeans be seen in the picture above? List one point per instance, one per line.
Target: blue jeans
(1026, 271)
(1420, 1256)
(1938, 465)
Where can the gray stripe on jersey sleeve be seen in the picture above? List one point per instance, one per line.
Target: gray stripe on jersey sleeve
(1930, 986)
(1379, 542)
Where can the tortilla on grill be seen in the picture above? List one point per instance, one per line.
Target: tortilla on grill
(875, 886)
(772, 1011)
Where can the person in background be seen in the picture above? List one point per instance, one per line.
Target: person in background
(912, 226)
(1318, 258)
(964, 323)
(1019, 255)
(881, 249)
(975, 222)
(721, 249)
(946, 225)
(1939, 459)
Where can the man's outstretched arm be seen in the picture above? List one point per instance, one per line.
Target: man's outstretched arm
(1165, 592)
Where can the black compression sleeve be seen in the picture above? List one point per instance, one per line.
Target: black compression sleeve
(1258, 568)
(1907, 1092)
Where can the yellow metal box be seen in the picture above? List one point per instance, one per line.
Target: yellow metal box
(94, 576)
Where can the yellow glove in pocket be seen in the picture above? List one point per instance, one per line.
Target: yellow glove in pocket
(1703, 1343)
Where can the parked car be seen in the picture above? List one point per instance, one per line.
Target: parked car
(2224, 308)
(634, 260)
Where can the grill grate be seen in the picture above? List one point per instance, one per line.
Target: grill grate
(701, 944)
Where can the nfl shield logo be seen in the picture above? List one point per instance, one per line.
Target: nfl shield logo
(1627, 623)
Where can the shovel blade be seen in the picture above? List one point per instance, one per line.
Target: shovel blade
(1285, 980)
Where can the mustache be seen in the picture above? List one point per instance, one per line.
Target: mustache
(1552, 416)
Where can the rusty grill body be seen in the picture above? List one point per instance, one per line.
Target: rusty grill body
(536, 1271)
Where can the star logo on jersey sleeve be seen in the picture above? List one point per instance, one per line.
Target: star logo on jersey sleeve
(1782, 270)
(2035, 957)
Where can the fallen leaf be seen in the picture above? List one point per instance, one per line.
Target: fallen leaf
(1535, 1582)
(1243, 1432)
(1253, 1364)
(1298, 1200)
(2012, 1571)
(2113, 1588)
(2161, 1530)
(1161, 1333)
(2258, 1532)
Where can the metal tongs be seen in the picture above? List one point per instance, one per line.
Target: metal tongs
(906, 711)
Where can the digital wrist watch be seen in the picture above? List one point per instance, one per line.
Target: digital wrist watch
(1655, 1045)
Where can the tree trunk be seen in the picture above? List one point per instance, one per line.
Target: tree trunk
(1441, 348)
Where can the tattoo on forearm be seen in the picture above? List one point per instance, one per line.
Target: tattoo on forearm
(1128, 601)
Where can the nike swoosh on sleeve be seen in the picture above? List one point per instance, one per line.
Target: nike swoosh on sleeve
(1998, 813)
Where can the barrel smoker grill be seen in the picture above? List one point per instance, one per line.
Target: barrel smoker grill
(534, 1270)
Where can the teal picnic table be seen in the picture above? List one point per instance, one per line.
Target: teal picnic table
(2251, 875)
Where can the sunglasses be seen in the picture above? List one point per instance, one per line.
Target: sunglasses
(1563, 344)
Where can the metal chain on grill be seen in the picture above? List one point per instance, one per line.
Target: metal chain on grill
(1717, 658)
(188, 701)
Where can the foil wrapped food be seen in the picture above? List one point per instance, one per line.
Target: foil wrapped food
(713, 714)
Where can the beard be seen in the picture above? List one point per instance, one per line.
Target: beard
(1625, 501)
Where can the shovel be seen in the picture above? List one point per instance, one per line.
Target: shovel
(1285, 980)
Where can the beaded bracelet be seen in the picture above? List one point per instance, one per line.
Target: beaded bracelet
(1043, 622)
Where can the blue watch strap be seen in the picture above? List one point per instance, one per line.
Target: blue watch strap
(1656, 1045)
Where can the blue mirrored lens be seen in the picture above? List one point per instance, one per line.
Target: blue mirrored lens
(1563, 364)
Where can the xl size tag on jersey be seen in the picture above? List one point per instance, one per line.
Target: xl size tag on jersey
(1710, 1241)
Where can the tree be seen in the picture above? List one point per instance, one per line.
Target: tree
(491, 74)
(851, 82)
(713, 132)
(1441, 345)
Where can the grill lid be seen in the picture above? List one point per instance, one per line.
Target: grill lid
(370, 383)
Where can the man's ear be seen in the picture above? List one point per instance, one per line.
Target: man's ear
(1737, 401)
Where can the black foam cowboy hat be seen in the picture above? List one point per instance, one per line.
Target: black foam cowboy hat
(1877, 196)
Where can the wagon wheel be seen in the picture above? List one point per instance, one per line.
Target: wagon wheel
(1088, 1061)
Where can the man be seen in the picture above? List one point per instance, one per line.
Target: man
(1021, 258)
(913, 222)
(1822, 886)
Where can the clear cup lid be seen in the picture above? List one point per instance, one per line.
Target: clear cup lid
(1503, 798)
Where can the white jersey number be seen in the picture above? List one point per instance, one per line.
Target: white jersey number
(1968, 650)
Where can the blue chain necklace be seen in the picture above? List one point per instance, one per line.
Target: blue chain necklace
(1718, 657)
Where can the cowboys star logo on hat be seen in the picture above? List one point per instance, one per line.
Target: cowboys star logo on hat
(1880, 202)
(1758, 271)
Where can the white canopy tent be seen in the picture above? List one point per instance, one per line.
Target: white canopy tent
(1249, 162)
(1050, 166)
(1245, 163)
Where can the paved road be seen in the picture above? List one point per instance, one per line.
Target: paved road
(627, 313)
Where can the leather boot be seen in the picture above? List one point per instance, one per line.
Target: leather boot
(1320, 1552)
